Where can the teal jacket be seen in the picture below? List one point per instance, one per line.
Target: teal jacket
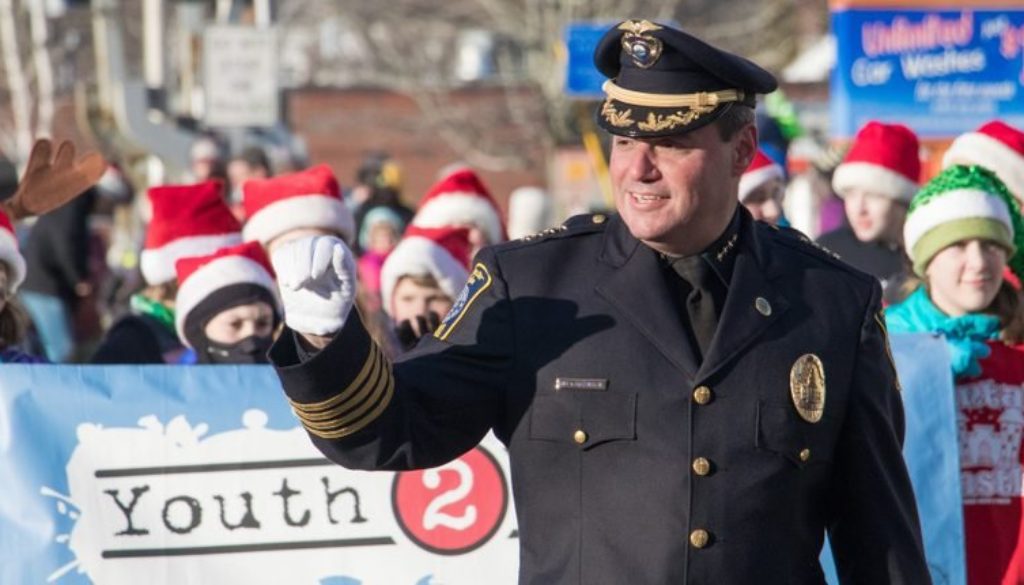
(965, 336)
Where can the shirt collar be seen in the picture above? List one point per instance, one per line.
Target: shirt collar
(720, 254)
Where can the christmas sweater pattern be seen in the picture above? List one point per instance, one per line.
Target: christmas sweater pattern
(990, 428)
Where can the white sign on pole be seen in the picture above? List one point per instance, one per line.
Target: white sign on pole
(240, 76)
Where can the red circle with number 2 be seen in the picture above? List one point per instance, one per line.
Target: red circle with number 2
(454, 508)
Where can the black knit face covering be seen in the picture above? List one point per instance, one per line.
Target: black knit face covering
(251, 350)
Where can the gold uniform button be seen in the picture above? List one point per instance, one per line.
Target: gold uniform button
(700, 538)
(580, 436)
(599, 218)
(701, 466)
(805, 455)
(702, 395)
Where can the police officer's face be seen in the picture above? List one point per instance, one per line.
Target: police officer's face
(677, 193)
(965, 277)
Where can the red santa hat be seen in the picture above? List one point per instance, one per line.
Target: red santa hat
(231, 273)
(443, 253)
(761, 170)
(883, 159)
(460, 199)
(10, 255)
(188, 220)
(996, 146)
(307, 199)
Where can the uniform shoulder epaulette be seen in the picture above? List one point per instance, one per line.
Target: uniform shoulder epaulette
(798, 240)
(576, 224)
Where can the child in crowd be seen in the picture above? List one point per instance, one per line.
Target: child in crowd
(227, 305)
(422, 278)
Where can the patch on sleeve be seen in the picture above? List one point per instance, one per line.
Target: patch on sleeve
(479, 281)
(880, 319)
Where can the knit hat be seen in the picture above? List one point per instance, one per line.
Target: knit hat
(996, 146)
(963, 203)
(458, 199)
(378, 214)
(188, 220)
(307, 199)
(884, 159)
(227, 278)
(439, 252)
(761, 170)
(10, 255)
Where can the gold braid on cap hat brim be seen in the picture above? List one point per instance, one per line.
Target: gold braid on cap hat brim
(705, 100)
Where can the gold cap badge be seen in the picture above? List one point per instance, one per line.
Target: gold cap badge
(807, 387)
(642, 47)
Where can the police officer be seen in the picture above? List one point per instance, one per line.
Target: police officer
(688, 396)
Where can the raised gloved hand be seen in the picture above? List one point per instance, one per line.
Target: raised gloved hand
(317, 278)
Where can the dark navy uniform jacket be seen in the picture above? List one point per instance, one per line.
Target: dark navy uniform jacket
(630, 463)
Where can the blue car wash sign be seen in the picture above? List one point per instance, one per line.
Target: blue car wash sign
(582, 79)
(941, 71)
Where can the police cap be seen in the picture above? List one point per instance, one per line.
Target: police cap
(663, 81)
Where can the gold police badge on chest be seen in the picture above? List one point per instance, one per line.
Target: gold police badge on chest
(807, 387)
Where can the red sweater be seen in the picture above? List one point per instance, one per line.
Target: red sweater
(990, 425)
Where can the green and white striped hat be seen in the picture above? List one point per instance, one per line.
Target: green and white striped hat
(962, 203)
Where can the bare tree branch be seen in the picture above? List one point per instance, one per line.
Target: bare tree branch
(17, 83)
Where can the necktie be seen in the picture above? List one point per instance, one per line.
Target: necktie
(699, 302)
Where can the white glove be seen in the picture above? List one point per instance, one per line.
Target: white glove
(317, 278)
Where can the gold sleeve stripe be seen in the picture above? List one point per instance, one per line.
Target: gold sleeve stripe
(371, 359)
(351, 400)
(345, 413)
(368, 418)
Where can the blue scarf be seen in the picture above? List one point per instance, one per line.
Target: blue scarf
(965, 336)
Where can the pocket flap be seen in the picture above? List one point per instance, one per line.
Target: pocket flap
(779, 429)
(602, 416)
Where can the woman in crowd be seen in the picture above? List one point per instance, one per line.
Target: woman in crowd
(876, 180)
(227, 305)
(963, 230)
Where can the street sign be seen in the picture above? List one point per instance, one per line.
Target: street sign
(240, 76)
(941, 71)
(582, 79)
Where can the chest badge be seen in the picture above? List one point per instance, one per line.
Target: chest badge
(807, 387)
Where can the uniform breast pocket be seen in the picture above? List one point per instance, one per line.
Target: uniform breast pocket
(584, 419)
(779, 429)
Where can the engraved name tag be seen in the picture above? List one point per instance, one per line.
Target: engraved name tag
(590, 384)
